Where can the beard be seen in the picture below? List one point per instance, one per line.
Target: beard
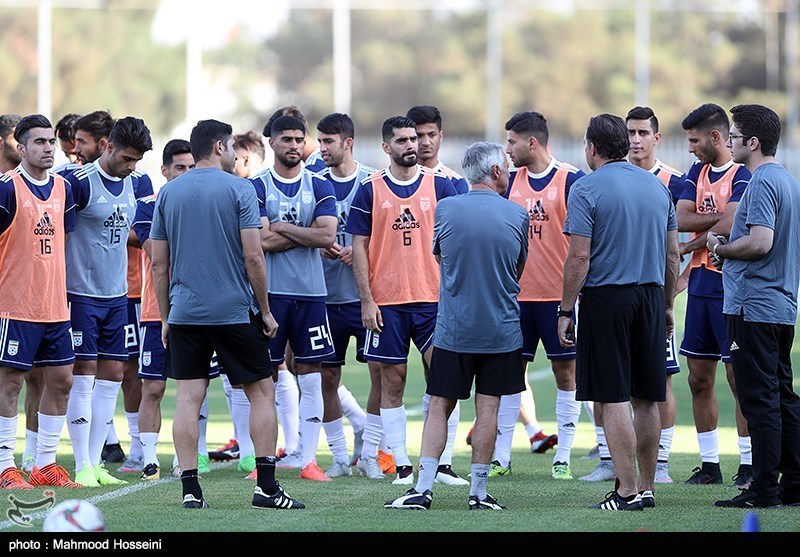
(406, 159)
(287, 162)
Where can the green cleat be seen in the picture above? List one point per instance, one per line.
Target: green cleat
(104, 478)
(496, 470)
(561, 471)
(85, 477)
(247, 464)
(204, 464)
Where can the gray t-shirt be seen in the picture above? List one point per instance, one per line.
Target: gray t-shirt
(766, 288)
(200, 214)
(480, 237)
(626, 211)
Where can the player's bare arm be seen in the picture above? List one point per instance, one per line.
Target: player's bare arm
(370, 313)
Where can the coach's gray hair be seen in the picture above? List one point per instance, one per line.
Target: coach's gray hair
(478, 160)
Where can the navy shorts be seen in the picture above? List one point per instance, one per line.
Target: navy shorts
(401, 324)
(98, 328)
(153, 354)
(704, 335)
(345, 322)
(132, 328)
(24, 344)
(539, 322)
(304, 324)
(452, 374)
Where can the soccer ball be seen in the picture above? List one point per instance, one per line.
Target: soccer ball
(74, 515)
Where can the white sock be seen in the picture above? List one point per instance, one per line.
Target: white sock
(745, 451)
(133, 430)
(202, 427)
(507, 414)
(8, 442)
(311, 408)
(226, 387)
(394, 427)
(373, 432)
(48, 439)
(30, 444)
(104, 404)
(149, 447)
(111, 437)
(709, 446)
(287, 402)
(351, 409)
(240, 411)
(79, 418)
(452, 431)
(337, 442)
(588, 405)
(568, 412)
(665, 443)
(602, 445)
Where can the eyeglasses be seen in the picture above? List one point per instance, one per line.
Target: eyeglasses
(733, 137)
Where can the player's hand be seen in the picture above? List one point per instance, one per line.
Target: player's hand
(269, 326)
(566, 332)
(670, 317)
(346, 255)
(332, 252)
(164, 332)
(371, 317)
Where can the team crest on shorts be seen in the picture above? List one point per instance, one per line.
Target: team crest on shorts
(77, 338)
(146, 358)
(376, 340)
(13, 347)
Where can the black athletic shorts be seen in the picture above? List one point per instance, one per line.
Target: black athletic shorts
(452, 373)
(242, 349)
(621, 335)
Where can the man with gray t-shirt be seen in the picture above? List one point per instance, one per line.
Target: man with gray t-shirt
(209, 272)
(760, 274)
(477, 335)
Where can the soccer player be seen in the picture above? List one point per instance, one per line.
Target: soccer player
(97, 263)
(391, 220)
(298, 217)
(336, 135)
(477, 337)
(9, 155)
(540, 184)
(65, 133)
(38, 213)
(230, 315)
(714, 186)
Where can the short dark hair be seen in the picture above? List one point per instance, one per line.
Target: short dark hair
(425, 114)
(131, 132)
(98, 124)
(609, 135)
(337, 123)
(756, 120)
(26, 124)
(283, 123)
(643, 113)
(394, 123)
(7, 123)
(252, 142)
(65, 128)
(174, 147)
(707, 117)
(288, 110)
(205, 134)
(530, 123)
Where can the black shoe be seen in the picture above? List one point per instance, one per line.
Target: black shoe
(112, 453)
(709, 473)
(648, 499)
(614, 502)
(229, 452)
(489, 503)
(192, 502)
(411, 500)
(278, 500)
(743, 476)
(747, 499)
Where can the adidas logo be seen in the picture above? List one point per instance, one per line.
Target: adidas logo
(26, 204)
(80, 421)
(292, 217)
(569, 424)
(405, 221)
(734, 346)
(537, 212)
(116, 219)
(386, 205)
(271, 197)
(4, 447)
(44, 227)
(313, 420)
(102, 199)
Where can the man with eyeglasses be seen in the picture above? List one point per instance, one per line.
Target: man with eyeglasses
(714, 186)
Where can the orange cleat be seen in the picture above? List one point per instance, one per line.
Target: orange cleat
(252, 475)
(53, 475)
(386, 462)
(314, 472)
(11, 478)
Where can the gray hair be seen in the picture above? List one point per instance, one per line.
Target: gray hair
(478, 160)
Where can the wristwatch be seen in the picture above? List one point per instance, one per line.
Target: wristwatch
(565, 313)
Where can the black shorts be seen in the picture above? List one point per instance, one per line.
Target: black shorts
(242, 350)
(452, 373)
(621, 344)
